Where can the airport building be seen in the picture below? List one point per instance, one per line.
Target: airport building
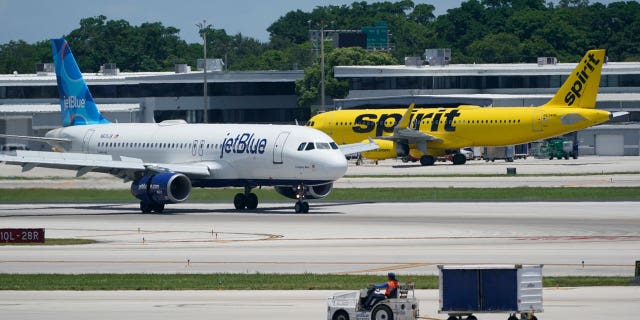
(29, 103)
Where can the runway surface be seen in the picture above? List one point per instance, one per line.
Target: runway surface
(589, 171)
(343, 237)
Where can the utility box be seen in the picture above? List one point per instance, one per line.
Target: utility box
(513, 289)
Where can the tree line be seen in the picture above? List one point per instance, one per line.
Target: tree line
(478, 31)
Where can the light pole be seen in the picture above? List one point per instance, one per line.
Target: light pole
(203, 27)
(322, 107)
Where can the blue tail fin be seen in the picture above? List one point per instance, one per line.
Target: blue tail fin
(76, 102)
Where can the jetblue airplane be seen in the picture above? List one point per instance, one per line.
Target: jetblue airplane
(166, 160)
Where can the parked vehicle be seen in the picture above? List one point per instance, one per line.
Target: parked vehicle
(350, 306)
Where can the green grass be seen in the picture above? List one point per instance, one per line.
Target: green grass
(368, 194)
(243, 281)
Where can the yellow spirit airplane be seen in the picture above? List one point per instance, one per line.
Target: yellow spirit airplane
(427, 133)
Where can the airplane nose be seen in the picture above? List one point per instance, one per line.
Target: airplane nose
(336, 166)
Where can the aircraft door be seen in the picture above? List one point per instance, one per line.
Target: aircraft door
(86, 139)
(278, 148)
(538, 116)
(197, 149)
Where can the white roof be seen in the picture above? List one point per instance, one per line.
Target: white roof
(515, 69)
(39, 108)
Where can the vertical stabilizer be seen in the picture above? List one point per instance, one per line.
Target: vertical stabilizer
(76, 102)
(581, 88)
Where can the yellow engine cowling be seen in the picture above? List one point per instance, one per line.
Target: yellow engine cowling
(386, 150)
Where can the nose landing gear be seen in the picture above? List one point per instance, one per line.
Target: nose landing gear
(301, 206)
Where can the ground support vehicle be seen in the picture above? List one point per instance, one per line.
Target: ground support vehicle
(350, 306)
(559, 148)
(474, 289)
(494, 153)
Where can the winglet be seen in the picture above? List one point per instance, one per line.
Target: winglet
(404, 122)
(581, 88)
(76, 102)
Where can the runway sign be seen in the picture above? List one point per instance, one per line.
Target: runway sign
(21, 235)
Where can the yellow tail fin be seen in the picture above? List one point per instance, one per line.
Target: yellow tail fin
(581, 88)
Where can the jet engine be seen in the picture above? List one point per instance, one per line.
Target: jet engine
(310, 192)
(162, 188)
(387, 150)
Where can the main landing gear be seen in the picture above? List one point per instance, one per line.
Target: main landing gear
(301, 206)
(427, 160)
(246, 200)
(147, 207)
(457, 159)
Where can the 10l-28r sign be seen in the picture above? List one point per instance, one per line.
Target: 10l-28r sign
(21, 235)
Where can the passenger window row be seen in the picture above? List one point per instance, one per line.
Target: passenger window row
(156, 145)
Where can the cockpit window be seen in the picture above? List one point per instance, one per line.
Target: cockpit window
(334, 146)
(323, 145)
(310, 146)
(301, 146)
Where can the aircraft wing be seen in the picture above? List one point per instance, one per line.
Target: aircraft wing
(405, 133)
(40, 139)
(354, 148)
(410, 135)
(82, 163)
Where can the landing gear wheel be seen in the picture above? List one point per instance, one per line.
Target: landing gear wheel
(459, 158)
(145, 207)
(471, 317)
(301, 207)
(382, 312)
(251, 201)
(512, 317)
(340, 315)
(427, 160)
(158, 207)
(240, 201)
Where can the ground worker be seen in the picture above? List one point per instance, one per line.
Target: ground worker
(391, 291)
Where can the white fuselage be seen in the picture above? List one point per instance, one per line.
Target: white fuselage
(236, 154)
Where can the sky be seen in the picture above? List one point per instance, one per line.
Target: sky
(37, 20)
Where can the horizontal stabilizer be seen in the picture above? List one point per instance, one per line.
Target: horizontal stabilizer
(618, 114)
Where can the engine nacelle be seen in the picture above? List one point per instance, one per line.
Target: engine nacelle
(162, 188)
(310, 192)
(387, 150)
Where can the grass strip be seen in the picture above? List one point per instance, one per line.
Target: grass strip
(364, 194)
(307, 281)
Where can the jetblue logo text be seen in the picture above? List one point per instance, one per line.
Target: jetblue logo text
(367, 122)
(74, 102)
(576, 89)
(243, 143)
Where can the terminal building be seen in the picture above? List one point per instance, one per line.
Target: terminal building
(29, 103)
